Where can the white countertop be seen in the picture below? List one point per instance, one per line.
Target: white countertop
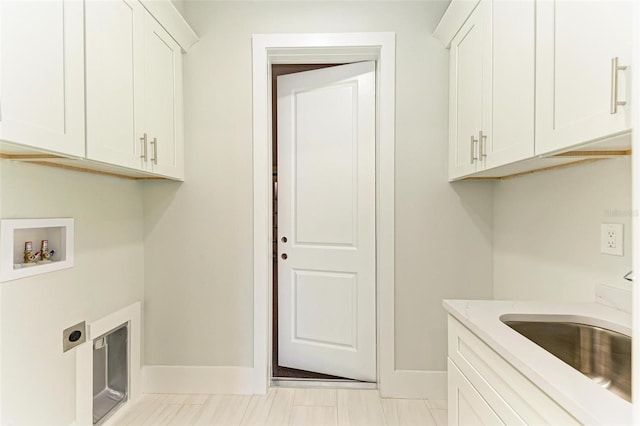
(576, 393)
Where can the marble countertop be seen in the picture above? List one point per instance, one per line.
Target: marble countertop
(584, 399)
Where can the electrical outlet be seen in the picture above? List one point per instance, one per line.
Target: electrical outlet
(612, 239)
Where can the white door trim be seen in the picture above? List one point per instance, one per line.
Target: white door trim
(271, 49)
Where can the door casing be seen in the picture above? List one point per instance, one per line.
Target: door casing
(269, 49)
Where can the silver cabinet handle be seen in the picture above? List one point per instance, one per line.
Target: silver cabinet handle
(473, 156)
(614, 85)
(482, 138)
(154, 142)
(143, 141)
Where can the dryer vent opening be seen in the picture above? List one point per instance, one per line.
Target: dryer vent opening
(110, 372)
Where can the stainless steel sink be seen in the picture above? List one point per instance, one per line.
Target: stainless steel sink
(600, 354)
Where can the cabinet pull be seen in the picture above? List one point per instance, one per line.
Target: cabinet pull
(482, 140)
(614, 85)
(154, 142)
(143, 141)
(474, 141)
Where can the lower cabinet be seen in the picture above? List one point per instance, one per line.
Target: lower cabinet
(484, 389)
(466, 405)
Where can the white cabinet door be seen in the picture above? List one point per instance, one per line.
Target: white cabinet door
(466, 405)
(509, 135)
(42, 75)
(114, 75)
(486, 389)
(163, 101)
(469, 62)
(576, 42)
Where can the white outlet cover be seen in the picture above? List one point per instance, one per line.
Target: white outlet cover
(606, 232)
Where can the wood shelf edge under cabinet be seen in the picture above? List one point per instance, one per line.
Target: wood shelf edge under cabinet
(614, 146)
(15, 152)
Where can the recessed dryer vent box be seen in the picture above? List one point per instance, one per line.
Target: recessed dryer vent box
(110, 372)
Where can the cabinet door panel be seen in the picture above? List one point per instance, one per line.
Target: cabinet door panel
(511, 131)
(163, 100)
(466, 405)
(42, 75)
(470, 51)
(511, 395)
(576, 41)
(115, 119)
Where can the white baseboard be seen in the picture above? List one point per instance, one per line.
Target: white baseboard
(412, 384)
(193, 379)
(415, 384)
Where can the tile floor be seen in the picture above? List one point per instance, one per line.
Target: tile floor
(283, 406)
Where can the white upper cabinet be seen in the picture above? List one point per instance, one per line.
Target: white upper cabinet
(532, 79)
(134, 90)
(115, 76)
(163, 101)
(94, 85)
(576, 84)
(491, 105)
(470, 57)
(510, 134)
(42, 75)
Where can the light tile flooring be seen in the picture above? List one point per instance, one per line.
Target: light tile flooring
(284, 406)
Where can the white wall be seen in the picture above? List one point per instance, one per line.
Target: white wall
(38, 380)
(198, 235)
(547, 231)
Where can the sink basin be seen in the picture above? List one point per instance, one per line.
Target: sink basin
(600, 354)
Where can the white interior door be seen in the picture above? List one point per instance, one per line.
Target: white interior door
(326, 221)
